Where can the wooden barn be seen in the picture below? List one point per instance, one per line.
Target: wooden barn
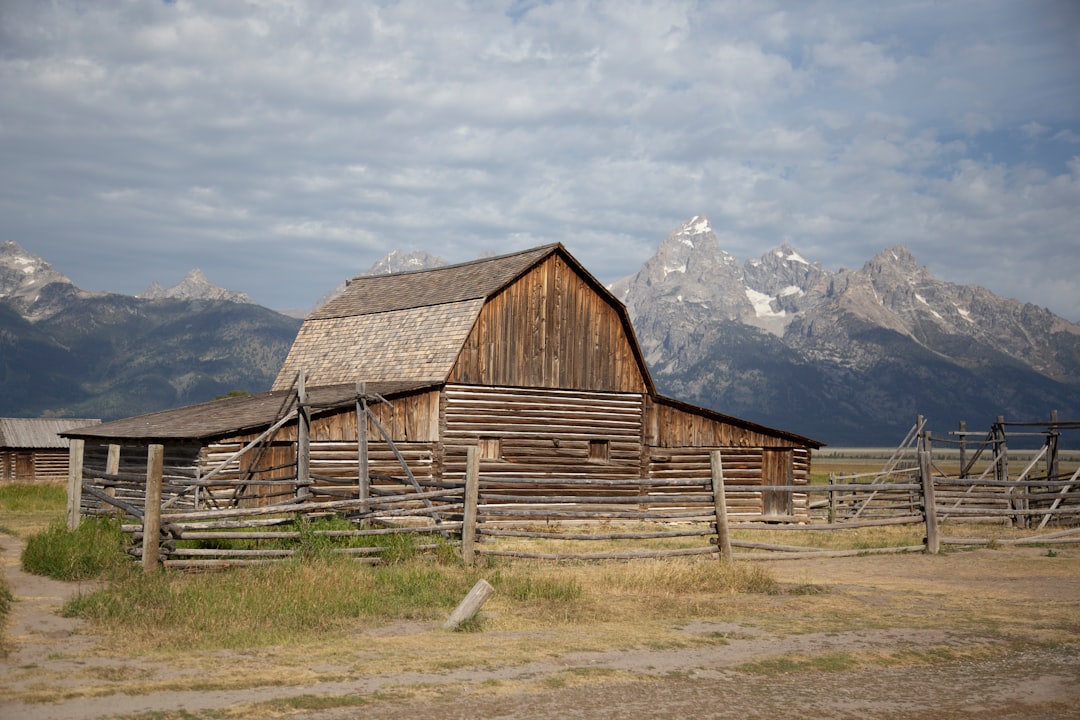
(32, 449)
(526, 357)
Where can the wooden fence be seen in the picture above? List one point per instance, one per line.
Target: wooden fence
(202, 522)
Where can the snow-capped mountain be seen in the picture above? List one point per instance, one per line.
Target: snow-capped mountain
(849, 356)
(31, 285)
(394, 261)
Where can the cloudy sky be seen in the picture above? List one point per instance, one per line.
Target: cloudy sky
(284, 145)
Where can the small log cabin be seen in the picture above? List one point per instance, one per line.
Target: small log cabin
(526, 357)
(31, 449)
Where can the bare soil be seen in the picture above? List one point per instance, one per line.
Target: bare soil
(960, 635)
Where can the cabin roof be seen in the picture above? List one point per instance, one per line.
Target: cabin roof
(739, 422)
(230, 416)
(38, 433)
(475, 280)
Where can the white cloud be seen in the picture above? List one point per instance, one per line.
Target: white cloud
(142, 139)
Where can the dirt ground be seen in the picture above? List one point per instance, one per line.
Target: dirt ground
(1021, 659)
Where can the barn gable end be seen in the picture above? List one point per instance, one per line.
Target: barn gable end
(552, 328)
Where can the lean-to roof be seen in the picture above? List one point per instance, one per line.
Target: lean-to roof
(230, 416)
(738, 422)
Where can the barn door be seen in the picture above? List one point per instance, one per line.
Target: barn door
(777, 469)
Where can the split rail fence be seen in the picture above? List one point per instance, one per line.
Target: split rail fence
(201, 522)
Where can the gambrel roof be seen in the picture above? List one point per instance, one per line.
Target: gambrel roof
(475, 280)
(412, 325)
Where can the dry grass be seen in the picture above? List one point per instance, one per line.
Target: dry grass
(266, 628)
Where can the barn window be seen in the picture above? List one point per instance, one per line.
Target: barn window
(599, 451)
(490, 448)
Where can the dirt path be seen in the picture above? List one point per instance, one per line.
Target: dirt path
(1038, 679)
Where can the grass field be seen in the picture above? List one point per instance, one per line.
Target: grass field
(555, 638)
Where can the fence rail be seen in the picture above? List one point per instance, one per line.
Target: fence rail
(221, 519)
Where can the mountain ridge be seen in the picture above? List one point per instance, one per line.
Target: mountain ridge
(879, 343)
(848, 356)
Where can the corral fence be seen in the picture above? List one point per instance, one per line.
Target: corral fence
(207, 521)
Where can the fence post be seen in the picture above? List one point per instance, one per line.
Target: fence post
(834, 499)
(720, 506)
(933, 543)
(364, 486)
(470, 605)
(472, 495)
(112, 467)
(303, 441)
(1053, 467)
(155, 461)
(963, 449)
(75, 479)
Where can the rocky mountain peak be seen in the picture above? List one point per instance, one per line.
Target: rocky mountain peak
(394, 261)
(194, 286)
(22, 273)
(31, 285)
(397, 261)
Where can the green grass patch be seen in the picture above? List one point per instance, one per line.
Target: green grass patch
(90, 551)
(27, 508)
(262, 605)
(527, 588)
(32, 498)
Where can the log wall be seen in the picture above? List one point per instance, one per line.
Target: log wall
(29, 465)
(542, 433)
(744, 467)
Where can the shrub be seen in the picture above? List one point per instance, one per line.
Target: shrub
(62, 554)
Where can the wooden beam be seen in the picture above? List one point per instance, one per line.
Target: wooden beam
(472, 494)
(720, 506)
(74, 488)
(933, 542)
(152, 508)
(471, 605)
(363, 471)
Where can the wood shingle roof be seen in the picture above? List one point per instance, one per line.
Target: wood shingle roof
(229, 416)
(370, 294)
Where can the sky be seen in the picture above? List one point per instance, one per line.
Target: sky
(283, 146)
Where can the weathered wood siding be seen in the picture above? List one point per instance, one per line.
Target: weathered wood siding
(551, 328)
(179, 469)
(670, 425)
(412, 421)
(542, 432)
(743, 466)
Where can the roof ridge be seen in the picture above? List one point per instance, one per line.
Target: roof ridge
(456, 266)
